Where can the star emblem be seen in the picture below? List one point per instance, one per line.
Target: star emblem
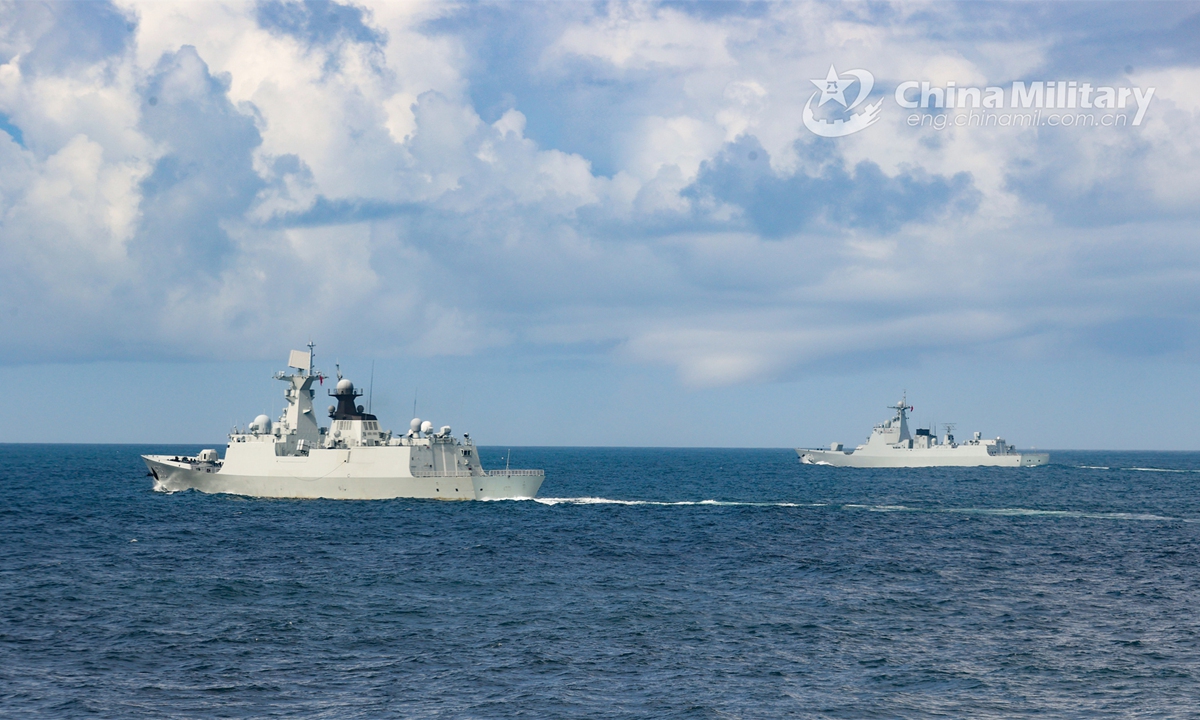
(832, 88)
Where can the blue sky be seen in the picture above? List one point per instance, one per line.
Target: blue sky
(595, 223)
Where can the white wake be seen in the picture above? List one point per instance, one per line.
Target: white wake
(666, 503)
(1006, 512)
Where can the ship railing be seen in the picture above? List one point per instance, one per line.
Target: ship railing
(440, 473)
(501, 473)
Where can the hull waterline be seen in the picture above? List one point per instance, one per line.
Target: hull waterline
(858, 460)
(170, 476)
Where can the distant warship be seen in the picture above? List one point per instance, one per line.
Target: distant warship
(891, 446)
(352, 459)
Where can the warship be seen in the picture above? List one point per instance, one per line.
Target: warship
(351, 459)
(891, 446)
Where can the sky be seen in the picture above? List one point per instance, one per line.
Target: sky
(604, 223)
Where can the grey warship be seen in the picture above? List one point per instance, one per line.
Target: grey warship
(350, 459)
(891, 446)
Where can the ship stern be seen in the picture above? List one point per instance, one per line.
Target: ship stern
(1034, 459)
(509, 484)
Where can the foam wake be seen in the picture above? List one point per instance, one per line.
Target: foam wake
(1004, 512)
(1027, 512)
(1020, 512)
(665, 503)
(1137, 469)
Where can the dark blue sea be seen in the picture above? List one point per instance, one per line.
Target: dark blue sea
(643, 583)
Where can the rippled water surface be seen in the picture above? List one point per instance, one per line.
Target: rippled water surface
(643, 583)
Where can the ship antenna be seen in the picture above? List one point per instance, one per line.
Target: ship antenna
(371, 391)
(415, 389)
(507, 458)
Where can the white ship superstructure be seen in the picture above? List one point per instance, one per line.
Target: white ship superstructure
(891, 445)
(351, 459)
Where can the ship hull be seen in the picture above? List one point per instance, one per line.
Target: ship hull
(345, 482)
(904, 458)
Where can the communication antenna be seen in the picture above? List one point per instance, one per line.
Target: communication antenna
(507, 458)
(371, 391)
(415, 388)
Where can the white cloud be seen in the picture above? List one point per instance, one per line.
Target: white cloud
(355, 184)
(728, 350)
(681, 141)
(640, 35)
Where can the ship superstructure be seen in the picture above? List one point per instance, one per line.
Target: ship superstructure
(891, 445)
(352, 458)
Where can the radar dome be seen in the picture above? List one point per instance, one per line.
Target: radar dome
(445, 431)
(261, 424)
(426, 427)
(415, 425)
(344, 386)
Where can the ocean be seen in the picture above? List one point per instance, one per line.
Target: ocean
(643, 583)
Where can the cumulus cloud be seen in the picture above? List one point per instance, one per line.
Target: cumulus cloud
(631, 178)
(832, 199)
